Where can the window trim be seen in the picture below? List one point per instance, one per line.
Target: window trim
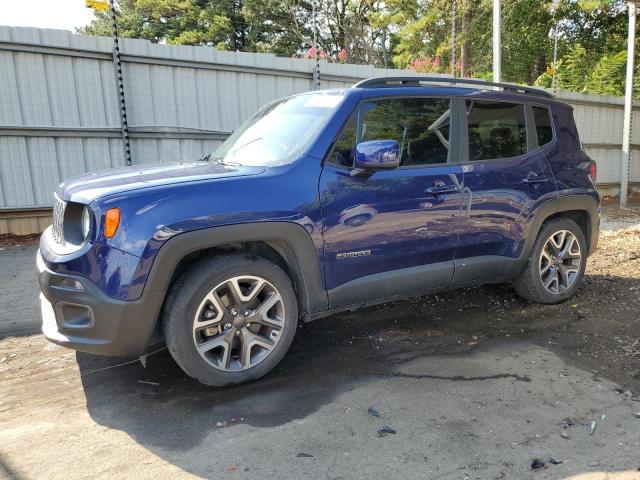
(464, 129)
(454, 125)
(551, 122)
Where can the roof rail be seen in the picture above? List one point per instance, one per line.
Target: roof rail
(421, 81)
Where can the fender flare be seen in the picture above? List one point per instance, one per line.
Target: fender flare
(289, 239)
(478, 270)
(585, 203)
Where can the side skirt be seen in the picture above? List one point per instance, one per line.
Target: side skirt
(417, 281)
(405, 281)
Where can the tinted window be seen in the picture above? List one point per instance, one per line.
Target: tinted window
(543, 125)
(419, 125)
(496, 130)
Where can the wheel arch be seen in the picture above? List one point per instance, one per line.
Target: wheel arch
(286, 244)
(582, 209)
(580, 217)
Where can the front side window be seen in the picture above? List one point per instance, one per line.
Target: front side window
(544, 131)
(496, 130)
(419, 125)
(278, 132)
(344, 149)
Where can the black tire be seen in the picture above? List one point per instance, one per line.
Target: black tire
(185, 299)
(529, 284)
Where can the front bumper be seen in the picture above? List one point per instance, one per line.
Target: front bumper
(76, 314)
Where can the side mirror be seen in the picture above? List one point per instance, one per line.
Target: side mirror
(377, 155)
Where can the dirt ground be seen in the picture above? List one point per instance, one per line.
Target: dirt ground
(476, 383)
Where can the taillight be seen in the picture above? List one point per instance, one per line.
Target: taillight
(593, 170)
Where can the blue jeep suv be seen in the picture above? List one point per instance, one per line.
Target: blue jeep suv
(321, 202)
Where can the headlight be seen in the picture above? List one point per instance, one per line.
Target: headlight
(73, 223)
(86, 223)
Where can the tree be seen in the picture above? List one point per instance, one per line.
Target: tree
(245, 25)
(423, 31)
(400, 33)
(592, 48)
(574, 69)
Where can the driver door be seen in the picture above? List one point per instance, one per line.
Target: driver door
(392, 232)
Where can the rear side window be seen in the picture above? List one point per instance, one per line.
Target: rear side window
(544, 131)
(496, 130)
(419, 125)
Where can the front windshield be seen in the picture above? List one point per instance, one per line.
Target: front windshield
(279, 131)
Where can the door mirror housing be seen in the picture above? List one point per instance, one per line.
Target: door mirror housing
(377, 155)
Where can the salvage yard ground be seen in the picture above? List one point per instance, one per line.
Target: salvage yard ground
(476, 383)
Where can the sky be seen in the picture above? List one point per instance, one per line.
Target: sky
(62, 14)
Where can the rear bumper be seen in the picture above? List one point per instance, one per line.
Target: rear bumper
(595, 230)
(76, 314)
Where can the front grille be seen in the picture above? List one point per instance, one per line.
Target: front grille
(57, 229)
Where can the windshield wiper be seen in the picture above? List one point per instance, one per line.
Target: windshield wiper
(223, 162)
(248, 143)
(233, 151)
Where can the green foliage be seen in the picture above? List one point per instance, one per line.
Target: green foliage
(545, 81)
(246, 25)
(574, 69)
(608, 76)
(581, 72)
(414, 34)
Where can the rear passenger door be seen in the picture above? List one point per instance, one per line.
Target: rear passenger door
(505, 175)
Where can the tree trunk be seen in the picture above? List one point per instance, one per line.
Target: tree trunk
(539, 66)
(384, 47)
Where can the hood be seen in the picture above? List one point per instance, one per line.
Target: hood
(91, 186)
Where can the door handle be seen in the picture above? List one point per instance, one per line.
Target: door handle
(535, 179)
(440, 189)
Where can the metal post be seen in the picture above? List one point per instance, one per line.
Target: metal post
(628, 106)
(554, 78)
(316, 68)
(453, 38)
(497, 42)
(117, 66)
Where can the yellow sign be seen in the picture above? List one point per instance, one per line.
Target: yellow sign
(100, 5)
(550, 71)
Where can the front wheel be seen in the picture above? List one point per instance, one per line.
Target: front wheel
(556, 265)
(230, 319)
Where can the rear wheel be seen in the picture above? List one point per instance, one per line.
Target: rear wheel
(556, 265)
(230, 319)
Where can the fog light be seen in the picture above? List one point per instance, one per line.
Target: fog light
(74, 315)
(71, 284)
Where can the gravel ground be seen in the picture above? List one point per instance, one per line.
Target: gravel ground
(476, 383)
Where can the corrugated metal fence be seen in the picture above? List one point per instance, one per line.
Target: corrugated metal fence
(59, 109)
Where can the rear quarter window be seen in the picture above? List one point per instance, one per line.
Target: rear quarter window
(567, 136)
(544, 128)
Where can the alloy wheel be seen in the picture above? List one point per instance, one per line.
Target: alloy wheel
(239, 323)
(560, 262)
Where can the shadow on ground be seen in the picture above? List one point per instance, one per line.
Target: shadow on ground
(166, 411)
